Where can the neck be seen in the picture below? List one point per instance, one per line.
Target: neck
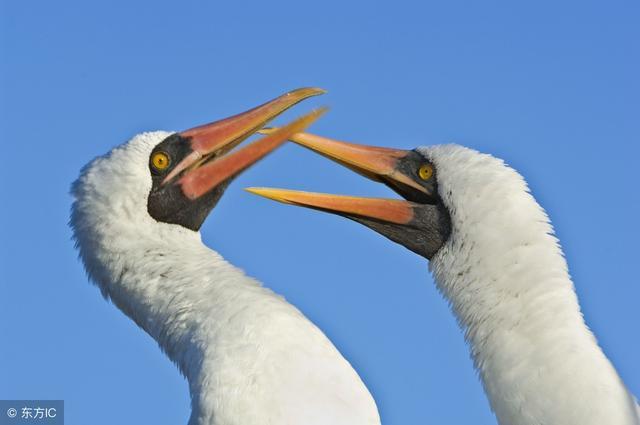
(507, 281)
(184, 295)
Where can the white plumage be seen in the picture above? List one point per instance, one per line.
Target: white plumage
(495, 259)
(249, 356)
(504, 273)
(252, 358)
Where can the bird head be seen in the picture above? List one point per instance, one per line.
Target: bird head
(443, 187)
(420, 222)
(161, 186)
(181, 176)
(190, 170)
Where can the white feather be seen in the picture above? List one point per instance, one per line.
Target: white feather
(249, 356)
(504, 274)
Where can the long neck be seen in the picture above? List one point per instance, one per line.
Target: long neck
(187, 297)
(507, 281)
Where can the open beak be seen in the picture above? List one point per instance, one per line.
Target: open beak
(376, 163)
(202, 178)
(420, 222)
(206, 165)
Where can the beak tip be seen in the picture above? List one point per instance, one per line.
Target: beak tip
(260, 191)
(277, 195)
(307, 92)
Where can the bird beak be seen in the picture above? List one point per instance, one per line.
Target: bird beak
(376, 163)
(420, 222)
(200, 179)
(208, 143)
(386, 210)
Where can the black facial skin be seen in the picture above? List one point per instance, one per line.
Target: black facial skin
(431, 225)
(167, 203)
(409, 166)
(424, 235)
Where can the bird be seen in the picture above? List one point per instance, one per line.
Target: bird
(494, 256)
(249, 356)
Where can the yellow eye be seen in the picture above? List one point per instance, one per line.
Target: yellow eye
(425, 172)
(160, 161)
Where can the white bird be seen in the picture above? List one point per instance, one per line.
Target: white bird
(495, 258)
(250, 357)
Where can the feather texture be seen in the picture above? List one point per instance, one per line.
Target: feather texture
(506, 278)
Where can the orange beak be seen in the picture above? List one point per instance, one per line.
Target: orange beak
(201, 179)
(376, 163)
(387, 210)
(420, 222)
(215, 139)
(207, 163)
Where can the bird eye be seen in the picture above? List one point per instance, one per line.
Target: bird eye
(160, 161)
(425, 171)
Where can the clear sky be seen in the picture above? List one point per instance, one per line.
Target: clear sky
(551, 87)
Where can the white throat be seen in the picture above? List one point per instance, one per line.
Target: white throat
(505, 276)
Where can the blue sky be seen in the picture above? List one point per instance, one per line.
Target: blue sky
(551, 87)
